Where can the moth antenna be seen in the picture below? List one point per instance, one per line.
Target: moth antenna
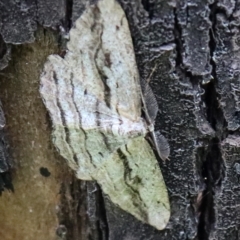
(161, 145)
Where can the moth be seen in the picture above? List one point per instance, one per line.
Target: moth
(94, 99)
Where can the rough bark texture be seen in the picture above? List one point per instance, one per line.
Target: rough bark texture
(189, 52)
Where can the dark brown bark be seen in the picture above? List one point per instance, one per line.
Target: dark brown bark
(189, 52)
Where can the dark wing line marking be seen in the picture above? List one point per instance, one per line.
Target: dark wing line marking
(67, 139)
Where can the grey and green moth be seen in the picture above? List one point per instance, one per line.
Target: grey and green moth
(94, 99)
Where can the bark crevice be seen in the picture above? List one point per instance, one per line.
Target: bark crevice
(213, 168)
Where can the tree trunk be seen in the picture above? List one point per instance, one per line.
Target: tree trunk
(188, 50)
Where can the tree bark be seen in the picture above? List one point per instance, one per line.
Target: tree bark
(189, 53)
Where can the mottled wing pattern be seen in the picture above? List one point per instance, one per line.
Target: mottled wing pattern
(106, 52)
(135, 183)
(94, 100)
(80, 120)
